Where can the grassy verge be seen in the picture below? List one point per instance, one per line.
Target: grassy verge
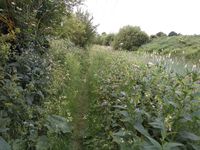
(182, 47)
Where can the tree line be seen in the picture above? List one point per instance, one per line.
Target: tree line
(128, 38)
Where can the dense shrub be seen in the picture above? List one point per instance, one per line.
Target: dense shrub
(172, 33)
(98, 39)
(160, 34)
(78, 28)
(130, 38)
(108, 39)
(25, 72)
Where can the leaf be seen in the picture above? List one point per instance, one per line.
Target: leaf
(196, 114)
(40, 94)
(189, 136)
(57, 124)
(195, 147)
(158, 124)
(42, 143)
(151, 146)
(19, 144)
(126, 116)
(4, 145)
(139, 127)
(171, 145)
(155, 145)
(120, 133)
(120, 107)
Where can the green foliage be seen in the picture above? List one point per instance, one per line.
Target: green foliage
(25, 72)
(160, 34)
(78, 28)
(66, 81)
(172, 33)
(182, 47)
(4, 145)
(108, 39)
(141, 106)
(130, 38)
(104, 39)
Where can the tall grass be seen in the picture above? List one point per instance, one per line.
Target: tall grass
(182, 47)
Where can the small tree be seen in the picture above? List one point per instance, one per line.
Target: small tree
(78, 28)
(172, 33)
(160, 34)
(130, 38)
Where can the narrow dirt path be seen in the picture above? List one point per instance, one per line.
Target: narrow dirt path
(81, 106)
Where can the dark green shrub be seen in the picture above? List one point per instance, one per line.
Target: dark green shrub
(78, 28)
(130, 38)
(108, 39)
(172, 33)
(160, 34)
(25, 70)
(98, 39)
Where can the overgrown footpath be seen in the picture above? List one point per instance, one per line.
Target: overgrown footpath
(81, 104)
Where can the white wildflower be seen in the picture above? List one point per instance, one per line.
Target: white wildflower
(186, 66)
(13, 3)
(150, 64)
(18, 8)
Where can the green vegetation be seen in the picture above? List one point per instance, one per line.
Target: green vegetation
(130, 38)
(104, 39)
(57, 92)
(134, 106)
(78, 29)
(33, 112)
(182, 47)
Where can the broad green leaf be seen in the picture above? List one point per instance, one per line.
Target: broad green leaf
(171, 145)
(19, 144)
(195, 147)
(139, 127)
(119, 107)
(4, 145)
(158, 124)
(42, 143)
(57, 124)
(150, 146)
(155, 143)
(189, 136)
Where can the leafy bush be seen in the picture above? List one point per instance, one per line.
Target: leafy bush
(78, 28)
(172, 33)
(160, 34)
(141, 108)
(25, 72)
(108, 40)
(98, 39)
(130, 38)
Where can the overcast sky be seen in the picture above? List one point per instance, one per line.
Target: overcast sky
(182, 16)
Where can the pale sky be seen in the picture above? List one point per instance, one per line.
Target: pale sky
(181, 16)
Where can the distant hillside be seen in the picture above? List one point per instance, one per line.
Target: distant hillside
(187, 47)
